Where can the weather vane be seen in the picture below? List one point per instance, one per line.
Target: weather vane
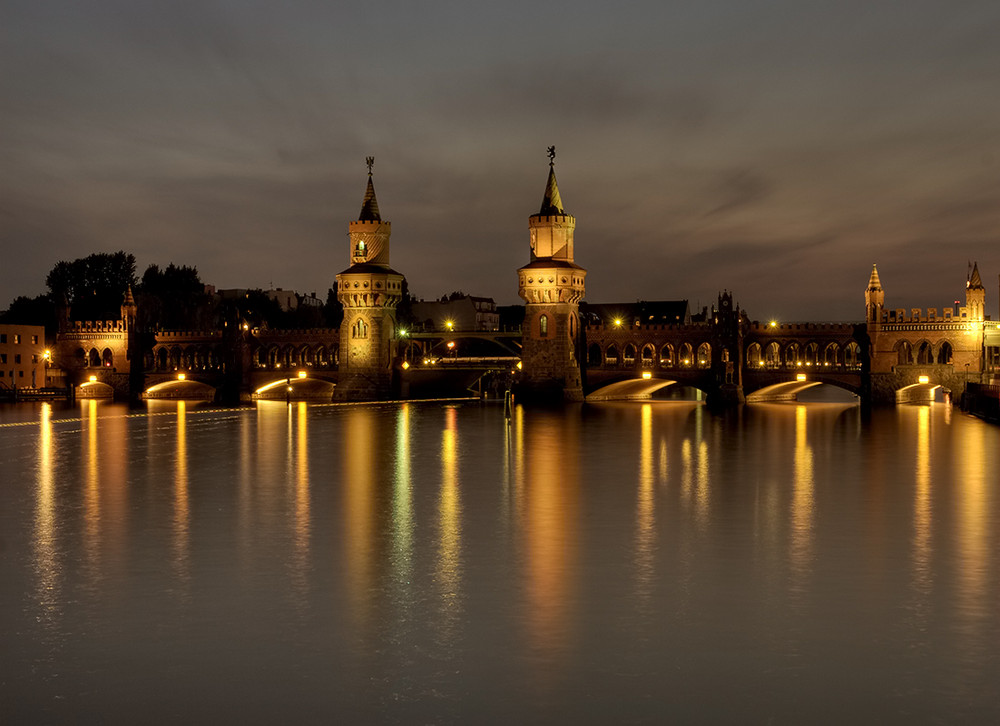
(370, 161)
(552, 155)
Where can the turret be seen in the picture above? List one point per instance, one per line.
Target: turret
(975, 295)
(551, 285)
(874, 297)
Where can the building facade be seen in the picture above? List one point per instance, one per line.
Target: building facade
(24, 359)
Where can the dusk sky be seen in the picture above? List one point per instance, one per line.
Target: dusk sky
(776, 149)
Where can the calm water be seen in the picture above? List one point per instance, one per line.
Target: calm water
(426, 563)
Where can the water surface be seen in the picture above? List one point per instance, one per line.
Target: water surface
(429, 563)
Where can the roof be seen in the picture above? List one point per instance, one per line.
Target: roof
(873, 282)
(551, 202)
(367, 268)
(974, 280)
(369, 206)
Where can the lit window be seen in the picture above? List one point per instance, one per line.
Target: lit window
(543, 326)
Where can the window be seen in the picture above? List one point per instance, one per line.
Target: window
(17, 339)
(20, 374)
(3, 357)
(359, 329)
(3, 337)
(17, 358)
(543, 326)
(34, 340)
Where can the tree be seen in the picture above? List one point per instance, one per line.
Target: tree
(32, 311)
(94, 286)
(174, 299)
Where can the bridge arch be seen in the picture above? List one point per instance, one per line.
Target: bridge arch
(755, 356)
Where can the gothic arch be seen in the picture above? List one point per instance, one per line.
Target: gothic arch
(687, 355)
(667, 356)
(852, 355)
(611, 355)
(772, 355)
(755, 357)
(628, 354)
(831, 355)
(944, 356)
(904, 353)
(704, 358)
(925, 353)
(647, 354)
(793, 355)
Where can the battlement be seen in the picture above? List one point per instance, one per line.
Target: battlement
(793, 328)
(627, 329)
(371, 224)
(919, 315)
(551, 218)
(163, 336)
(96, 326)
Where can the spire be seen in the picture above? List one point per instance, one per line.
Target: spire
(874, 283)
(552, 202)
(129, 300)
(369, 207)
(975, 282)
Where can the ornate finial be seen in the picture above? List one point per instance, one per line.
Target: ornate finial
(552, 155)
(370, 161)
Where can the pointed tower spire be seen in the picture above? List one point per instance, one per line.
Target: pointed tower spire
(369, 206)
(975, 281)
(552, 202)
(129, 300)
(873, 282)
(874, 298)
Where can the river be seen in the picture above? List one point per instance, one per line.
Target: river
(433, 563)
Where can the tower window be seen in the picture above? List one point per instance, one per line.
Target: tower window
(543, 326)
(359, 329)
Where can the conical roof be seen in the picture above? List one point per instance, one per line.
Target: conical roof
(129, 300)
(369, 207)
(873, 282)
(974, 280)
(551, 202)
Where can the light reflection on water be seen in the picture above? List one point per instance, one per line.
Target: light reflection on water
(439, 564)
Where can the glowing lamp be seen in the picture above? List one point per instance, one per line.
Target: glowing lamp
(519, 365)
(451, 344)
(406, 365)
(449, 324)
(924, 379)
(773, 323)
(93, 379)
(618, 322)
(181, 376)
(647, 375)
(289, 389)
(47, 355)
(302, 374)
(800, 376)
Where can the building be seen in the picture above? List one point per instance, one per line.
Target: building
(369, 291)
(457, 312)
(24, 359)
(552, 286)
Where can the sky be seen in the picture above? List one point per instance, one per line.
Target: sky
(776, 149)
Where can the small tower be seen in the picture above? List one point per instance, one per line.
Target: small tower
(874, 298)
(551, 285)
(975, 296)
(129, 309)
(369, 290)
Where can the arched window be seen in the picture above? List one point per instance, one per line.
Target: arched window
(944, 354)
(792, 355)
(687, 355)
(925, 354)
(628, 354)
(667, 356)
(647, 355)
(543, 326)
(704, 356)
(611, 355)
(830, 354)
(904, 353)
(772, 355)
(852, 355)
(94, 359)
(755, 358)
(107, 359)
(359, 329)
(811, 356)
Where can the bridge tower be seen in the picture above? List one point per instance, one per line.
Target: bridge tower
(975, 296)
(369, 290)
(551, 285)
(874, 297)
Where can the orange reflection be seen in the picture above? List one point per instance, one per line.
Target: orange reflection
(974, 551)
(922, 504)
(551, 457)
(47, 567)
(182, 514)
(402, 495)
(449, 563)
(303, 527)
(359, 509)
(802, 499)
(645, 524)
(92, 494)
